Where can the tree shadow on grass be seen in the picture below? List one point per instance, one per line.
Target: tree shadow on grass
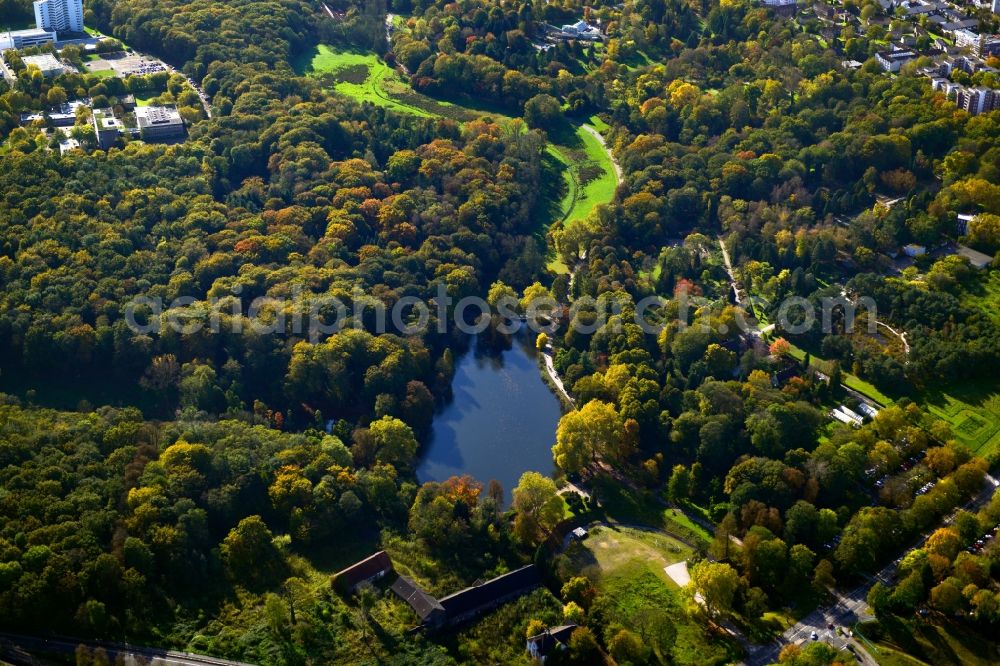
(564, 135)
(552, 188)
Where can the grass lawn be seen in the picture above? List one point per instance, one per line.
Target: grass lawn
(324, 59)
(887, 656)
(973, 410)
(619, 504)
(102, 73)
(146, 98)
(93, 32)
(626, 566)
(850, 381)
(591, 170)
(588, 173)
(637, 60)
(365, 78)
(599, 124)
(985, 295)
(677, 521)
(609, 550)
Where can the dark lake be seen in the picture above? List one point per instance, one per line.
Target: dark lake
(501, 422)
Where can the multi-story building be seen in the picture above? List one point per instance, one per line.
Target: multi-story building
(59, 15)
(982, 46)
(106, 127)
(989, 46)
(22, 39)
(159, 123)
(977, 100)
(891, 61)
(967, 64)
(782, 7)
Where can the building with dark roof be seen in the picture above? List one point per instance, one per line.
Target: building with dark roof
(367, 570)
(157, 123)
(892, 61)
(478, 599)
(543, 644)
(427, 608)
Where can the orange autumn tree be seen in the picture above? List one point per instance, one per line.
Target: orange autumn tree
(780, 347)
(462, 488)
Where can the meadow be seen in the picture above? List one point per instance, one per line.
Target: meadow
(626, 566)
(973, 410)
(366, 78)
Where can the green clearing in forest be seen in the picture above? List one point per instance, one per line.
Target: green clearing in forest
(366, 78)
(588, 172)
(626, 566)
(973, 410)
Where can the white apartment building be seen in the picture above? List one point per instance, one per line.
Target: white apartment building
(59, 15)
(22, 39)
(892, 61)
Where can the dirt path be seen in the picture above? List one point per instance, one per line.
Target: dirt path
(550, 369)
(729, 271)
(901, 336)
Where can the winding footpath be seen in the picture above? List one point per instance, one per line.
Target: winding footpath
(557, 381)
(600, 139)
(901, 336)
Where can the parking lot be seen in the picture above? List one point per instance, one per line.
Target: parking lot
(125, 64)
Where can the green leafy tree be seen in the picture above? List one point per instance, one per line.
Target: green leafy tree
(249, 553)
(542, 112)
(537, 505)
(717, 583)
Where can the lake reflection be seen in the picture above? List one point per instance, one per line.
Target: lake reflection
(501, 422)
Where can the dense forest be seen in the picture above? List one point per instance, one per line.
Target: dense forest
(193, 487)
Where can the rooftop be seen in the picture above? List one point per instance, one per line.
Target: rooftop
(29, 32)
(477, 596)
(157, 116)
(422, 603)
(45, 62)
(361, 571)
(976, 258)
(896, 55)
(545, 641)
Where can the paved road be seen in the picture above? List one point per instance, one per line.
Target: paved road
(852, 607)
(205, 103)
(129, 654)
